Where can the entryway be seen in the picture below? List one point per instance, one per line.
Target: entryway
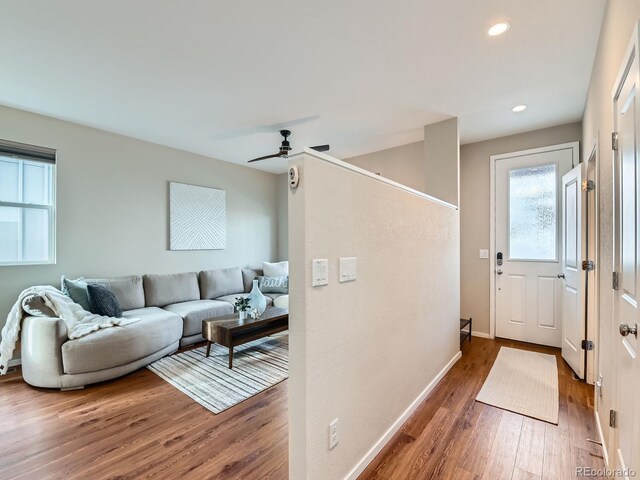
(539, 242)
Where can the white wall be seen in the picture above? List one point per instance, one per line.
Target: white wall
(112, 206)
(363, 351)
(283, 216)
(619, 20)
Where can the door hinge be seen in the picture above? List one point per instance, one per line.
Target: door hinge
(588, 185)
(587, 345)
(614, 141)
(615, 281)
(588, 265)
(613, 419)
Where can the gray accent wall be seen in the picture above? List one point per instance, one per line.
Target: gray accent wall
(112, 206)
(442, 157)
(404, 164)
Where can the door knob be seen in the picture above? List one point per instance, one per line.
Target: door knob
(561, 275)
(499, 272)
(625, 330)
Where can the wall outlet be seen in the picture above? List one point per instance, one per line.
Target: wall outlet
(333, 434)
(484, 253)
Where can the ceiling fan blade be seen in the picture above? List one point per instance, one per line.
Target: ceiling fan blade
(320, 148)
(279, 154)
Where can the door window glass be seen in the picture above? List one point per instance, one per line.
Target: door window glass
(533, 213)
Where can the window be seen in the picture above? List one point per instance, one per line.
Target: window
(533, 224)
(27, 204)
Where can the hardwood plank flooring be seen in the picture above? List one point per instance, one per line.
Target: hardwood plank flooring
(450, 436)
(140, 427)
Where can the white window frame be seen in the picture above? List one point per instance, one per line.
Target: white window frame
(51, 209)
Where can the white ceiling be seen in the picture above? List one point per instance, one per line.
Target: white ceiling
(222, 77)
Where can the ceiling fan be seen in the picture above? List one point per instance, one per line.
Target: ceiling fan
(285, 148)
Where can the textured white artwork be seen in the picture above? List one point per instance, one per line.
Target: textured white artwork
(197, 217)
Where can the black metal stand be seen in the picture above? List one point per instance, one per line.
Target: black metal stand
(464, 334)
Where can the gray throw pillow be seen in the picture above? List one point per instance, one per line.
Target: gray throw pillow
(274, 284)
(76, 290)
(103, 301)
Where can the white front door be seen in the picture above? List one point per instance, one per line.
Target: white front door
(627, 263)
(574, 221)
(527, 242)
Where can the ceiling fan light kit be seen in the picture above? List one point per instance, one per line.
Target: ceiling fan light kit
(285, 148)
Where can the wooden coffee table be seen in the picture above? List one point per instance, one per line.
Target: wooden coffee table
(230, 331)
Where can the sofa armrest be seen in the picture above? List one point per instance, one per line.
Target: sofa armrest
(41, 352)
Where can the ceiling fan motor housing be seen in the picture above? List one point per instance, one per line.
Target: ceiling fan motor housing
(285, 147)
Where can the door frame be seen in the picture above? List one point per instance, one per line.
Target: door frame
(575, 146)
(593, 282)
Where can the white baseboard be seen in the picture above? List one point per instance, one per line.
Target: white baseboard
(16, 362)
(379, 445)
(480, 334)
(605, 452)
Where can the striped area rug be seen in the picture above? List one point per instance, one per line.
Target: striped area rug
(256, 366)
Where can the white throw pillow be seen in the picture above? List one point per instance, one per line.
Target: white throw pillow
(280, 269)
(281, 302)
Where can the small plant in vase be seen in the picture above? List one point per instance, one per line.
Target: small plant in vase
(242, 305)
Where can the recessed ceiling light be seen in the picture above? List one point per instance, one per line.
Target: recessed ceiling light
(499, 29)
(519, 108)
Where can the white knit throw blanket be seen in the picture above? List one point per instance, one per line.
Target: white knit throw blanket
(79, 322)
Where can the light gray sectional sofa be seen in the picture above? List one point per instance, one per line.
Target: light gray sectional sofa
(170, 308)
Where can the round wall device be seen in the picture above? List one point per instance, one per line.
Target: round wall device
(294, 177)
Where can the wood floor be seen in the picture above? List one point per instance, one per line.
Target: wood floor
(451, 436)
(141, 427)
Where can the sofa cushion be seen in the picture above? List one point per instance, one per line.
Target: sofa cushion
(220, 282)
(248, 276)
(128, 290)
(161, 290)
(280, 269)
(120, 345)
(273, 296)
(193, 313)
(103, 301)
(232, 298)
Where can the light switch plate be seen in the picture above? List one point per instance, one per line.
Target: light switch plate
(484, 253)
(320, 272)
(347, 269)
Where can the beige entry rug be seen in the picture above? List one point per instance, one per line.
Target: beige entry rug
(523, 382)
(256, 366)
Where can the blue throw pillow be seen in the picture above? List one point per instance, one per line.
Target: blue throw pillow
(76, 290)
(102, 301)
(274, 284)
